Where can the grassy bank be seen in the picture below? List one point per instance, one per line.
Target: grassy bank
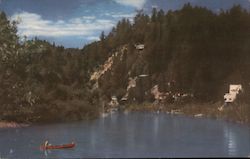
(239, 113)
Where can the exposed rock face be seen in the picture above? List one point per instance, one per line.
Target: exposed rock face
(107, 66)
(159, 95)
(156, 93)
(131, 84)
(101, 71)
(125, 74)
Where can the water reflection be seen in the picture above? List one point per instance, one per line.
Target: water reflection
(230, 140)
(156, 126)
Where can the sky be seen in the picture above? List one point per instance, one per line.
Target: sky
(75, 23)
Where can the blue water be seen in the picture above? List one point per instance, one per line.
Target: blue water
(130, 135)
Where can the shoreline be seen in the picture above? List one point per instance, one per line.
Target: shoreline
(12, 124)
(236, 113)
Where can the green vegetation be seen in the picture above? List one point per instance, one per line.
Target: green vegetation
(202, 52)
(41, 82)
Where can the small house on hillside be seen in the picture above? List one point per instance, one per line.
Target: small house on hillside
(114, 102)
(139, 47)
(234, 90)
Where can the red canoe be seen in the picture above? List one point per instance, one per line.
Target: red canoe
(64, 146)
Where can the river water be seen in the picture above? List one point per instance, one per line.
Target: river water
(130, 135)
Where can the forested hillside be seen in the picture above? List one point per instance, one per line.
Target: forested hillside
(189, 51)
(200, 51)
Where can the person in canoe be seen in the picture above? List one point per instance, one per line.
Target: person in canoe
(46, 146)
(46, 143)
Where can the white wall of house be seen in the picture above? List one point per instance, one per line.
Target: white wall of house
(229, 98)
(139, 47)
(234, 90)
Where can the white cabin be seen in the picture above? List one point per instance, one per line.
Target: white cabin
(234, 90)
(114, 102)
(229, 98)
(139, 47)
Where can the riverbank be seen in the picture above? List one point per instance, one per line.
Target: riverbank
(6, 124)
(239, 113)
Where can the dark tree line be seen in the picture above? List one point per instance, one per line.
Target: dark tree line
(202, 51)
(40, 81)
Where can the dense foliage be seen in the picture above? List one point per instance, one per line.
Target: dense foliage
(41, 82)
(201, 51)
